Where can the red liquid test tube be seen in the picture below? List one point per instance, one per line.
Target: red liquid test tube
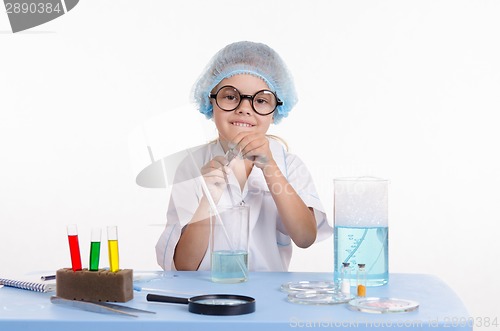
(74, 247)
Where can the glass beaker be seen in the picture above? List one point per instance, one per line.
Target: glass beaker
(361, 229)
(229, 236)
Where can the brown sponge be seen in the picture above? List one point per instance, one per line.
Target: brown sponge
(95, 286)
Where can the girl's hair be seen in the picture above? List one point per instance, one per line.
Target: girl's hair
(279, 139)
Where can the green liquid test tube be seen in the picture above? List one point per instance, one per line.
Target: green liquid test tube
(95, 249)
(114, 261)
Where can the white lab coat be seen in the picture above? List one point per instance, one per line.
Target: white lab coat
(270, 246)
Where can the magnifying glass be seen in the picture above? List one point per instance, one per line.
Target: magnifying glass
(211, 304)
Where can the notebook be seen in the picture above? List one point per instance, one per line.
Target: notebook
(31, 285)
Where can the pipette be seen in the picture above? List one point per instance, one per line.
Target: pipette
(231, 154)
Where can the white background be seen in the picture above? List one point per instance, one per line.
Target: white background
(404, 90)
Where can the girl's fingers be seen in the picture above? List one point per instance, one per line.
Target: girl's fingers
(255, 147)
(245, 142)
(216, 165)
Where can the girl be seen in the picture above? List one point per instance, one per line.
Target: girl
(244, 89)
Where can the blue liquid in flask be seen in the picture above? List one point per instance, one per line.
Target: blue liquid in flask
(368, 245)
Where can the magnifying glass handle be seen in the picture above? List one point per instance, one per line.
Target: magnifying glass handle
(166, 298)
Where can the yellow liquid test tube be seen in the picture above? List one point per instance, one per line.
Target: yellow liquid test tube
(114, 259)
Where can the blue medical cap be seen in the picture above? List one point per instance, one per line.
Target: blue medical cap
(247, 57)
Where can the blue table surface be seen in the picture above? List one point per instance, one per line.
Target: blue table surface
(440, 308)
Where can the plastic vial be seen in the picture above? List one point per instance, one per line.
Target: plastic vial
(361, 280)
(345, 278)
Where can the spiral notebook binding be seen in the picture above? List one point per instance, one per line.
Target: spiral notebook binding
(30, 286)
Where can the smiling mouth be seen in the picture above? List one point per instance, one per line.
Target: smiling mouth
(241, 124)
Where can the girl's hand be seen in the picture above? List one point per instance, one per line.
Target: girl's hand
(254, 147)
(215, 173)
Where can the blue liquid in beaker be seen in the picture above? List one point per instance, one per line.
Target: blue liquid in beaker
(368, 245)
(229, 266)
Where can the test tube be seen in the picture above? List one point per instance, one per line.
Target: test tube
(95, 249)
(114, 261)
(74, 247)
(361, 277)
(345, 279)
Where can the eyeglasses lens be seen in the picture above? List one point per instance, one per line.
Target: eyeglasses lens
(228, 98)
(264, 102)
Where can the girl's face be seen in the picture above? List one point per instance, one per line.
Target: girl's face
(243, 118)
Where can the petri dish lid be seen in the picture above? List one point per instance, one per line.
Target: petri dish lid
(308, 285)
(319, 298)
(383, 305)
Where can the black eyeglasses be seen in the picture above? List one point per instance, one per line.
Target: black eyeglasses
(264, 102)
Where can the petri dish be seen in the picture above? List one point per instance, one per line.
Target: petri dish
(383, 305)
(308, 285)
(319, 297)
